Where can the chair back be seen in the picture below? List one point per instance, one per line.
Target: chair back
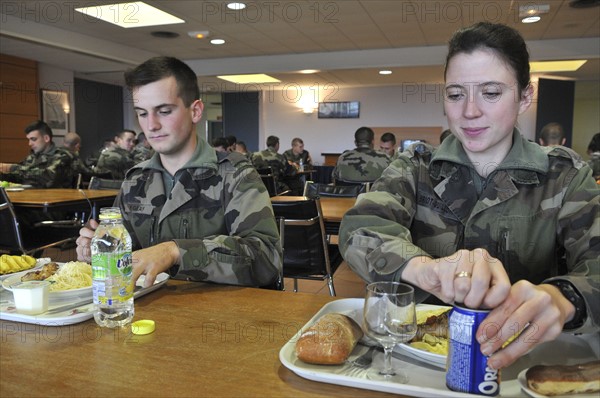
(104, 183)
(314, 189)
(364, 186)
(305, 247)
(10, 240)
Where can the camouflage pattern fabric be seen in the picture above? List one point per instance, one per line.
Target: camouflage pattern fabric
(48, 169)
(538, 202)
(362, 164)
(594, 163)
(291, 157)
(218, 212)
(276, 161)
(78, 165)
(115, 161)
(141, 153)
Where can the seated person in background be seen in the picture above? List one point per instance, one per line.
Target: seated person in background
(594, 151)
(271, 157)
(480, 219)
(119, 159)
(445, 134)
(298, 155)
(72, 143)
(220, 144)
(362, 164)
(199, 214)
(240, 147)
(231, 143)
(142, 150)
(387, 145)
(552, 134)
(92, 160)
(48, 166)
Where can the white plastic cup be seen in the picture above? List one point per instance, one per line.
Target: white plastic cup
(31, 297)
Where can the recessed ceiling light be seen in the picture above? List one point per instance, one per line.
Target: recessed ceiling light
(532, 19)
(130, 15)
(385, 72)
(308, 71)
(236, 6)
(198, 34)
(217, 41)
(248, 79)
(556, 66)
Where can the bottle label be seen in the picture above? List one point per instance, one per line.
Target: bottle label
(111, 274)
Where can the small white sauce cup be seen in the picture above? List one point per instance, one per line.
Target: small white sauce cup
(31, 297)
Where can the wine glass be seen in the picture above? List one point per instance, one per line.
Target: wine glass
(389, 318)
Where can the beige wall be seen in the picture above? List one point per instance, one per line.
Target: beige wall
(586, 117)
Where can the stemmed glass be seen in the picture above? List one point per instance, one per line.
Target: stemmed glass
(389, 318)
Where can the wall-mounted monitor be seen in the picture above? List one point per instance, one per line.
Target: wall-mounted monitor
(404, 144)
(339, 110)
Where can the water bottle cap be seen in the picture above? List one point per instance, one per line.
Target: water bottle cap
(144, 326)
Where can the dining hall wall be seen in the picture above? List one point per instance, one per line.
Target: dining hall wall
(409, 105)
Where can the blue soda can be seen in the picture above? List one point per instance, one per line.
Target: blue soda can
(467, 369)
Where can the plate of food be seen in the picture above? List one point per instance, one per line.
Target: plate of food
(431, 342)
(13, 264)
(69, 280)
(561, 381)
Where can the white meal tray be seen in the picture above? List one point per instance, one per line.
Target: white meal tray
(71, 315)
(426, 379)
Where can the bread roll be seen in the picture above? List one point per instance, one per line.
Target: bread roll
(562, 380)
(329, 341)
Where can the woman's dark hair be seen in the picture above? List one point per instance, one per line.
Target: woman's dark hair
(505, 41)
(158, 68)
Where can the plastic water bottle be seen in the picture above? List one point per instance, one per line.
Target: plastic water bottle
(112, 269)
(301, 168)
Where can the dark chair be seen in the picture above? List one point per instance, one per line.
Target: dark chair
(103, 183)
(314, 189)
(364, 186)
(14, 241)
(270, 181)
(306, 251)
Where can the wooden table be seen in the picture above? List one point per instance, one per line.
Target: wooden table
(333, 208)
(210, 340)
(63, 199)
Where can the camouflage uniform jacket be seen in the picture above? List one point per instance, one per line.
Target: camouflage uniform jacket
(115, 161)
(594, 163)
(218, 213)
(291, 157)
(78, 165)
(48, 169)
(363, 164)
(538, 202)
(141, 153)
(277, 162)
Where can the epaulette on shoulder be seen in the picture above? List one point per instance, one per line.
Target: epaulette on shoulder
(565, 153)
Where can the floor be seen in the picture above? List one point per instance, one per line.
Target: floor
(347, 284)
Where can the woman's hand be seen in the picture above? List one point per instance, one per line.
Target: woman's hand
(541, 310)
(471, 277)
(153, 260)
(84, 250)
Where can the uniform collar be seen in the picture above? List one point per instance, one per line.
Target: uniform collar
(523, 162)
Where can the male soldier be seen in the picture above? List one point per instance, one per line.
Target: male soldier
(552, 134)
(72, 143)
(199, 214)
(119, 159)
(142, 150)
(300, 160)
(48, 166)
(271, 157)
(387, 145)
(362, 164)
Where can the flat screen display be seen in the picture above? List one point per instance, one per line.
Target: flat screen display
(339, 110)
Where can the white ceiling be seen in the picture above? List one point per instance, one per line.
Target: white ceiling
(347, 40)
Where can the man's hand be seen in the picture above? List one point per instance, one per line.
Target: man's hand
(84, 250)
(153, 260)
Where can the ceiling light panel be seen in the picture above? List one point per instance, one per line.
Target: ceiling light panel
(248, 79)
(130, 15)
(556, 66)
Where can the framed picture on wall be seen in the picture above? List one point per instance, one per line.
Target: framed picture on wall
(339, 110)
(55, 111)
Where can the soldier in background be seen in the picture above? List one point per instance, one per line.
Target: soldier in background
(240, 147)
(119, 159)
(196, 213)
(552, 134)
(48, 166)
(271, 157)
(72, 142)
(297, 154)
(387, 145)
(142, 150)
(480, 220)
(362, 164)
(594, 151)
